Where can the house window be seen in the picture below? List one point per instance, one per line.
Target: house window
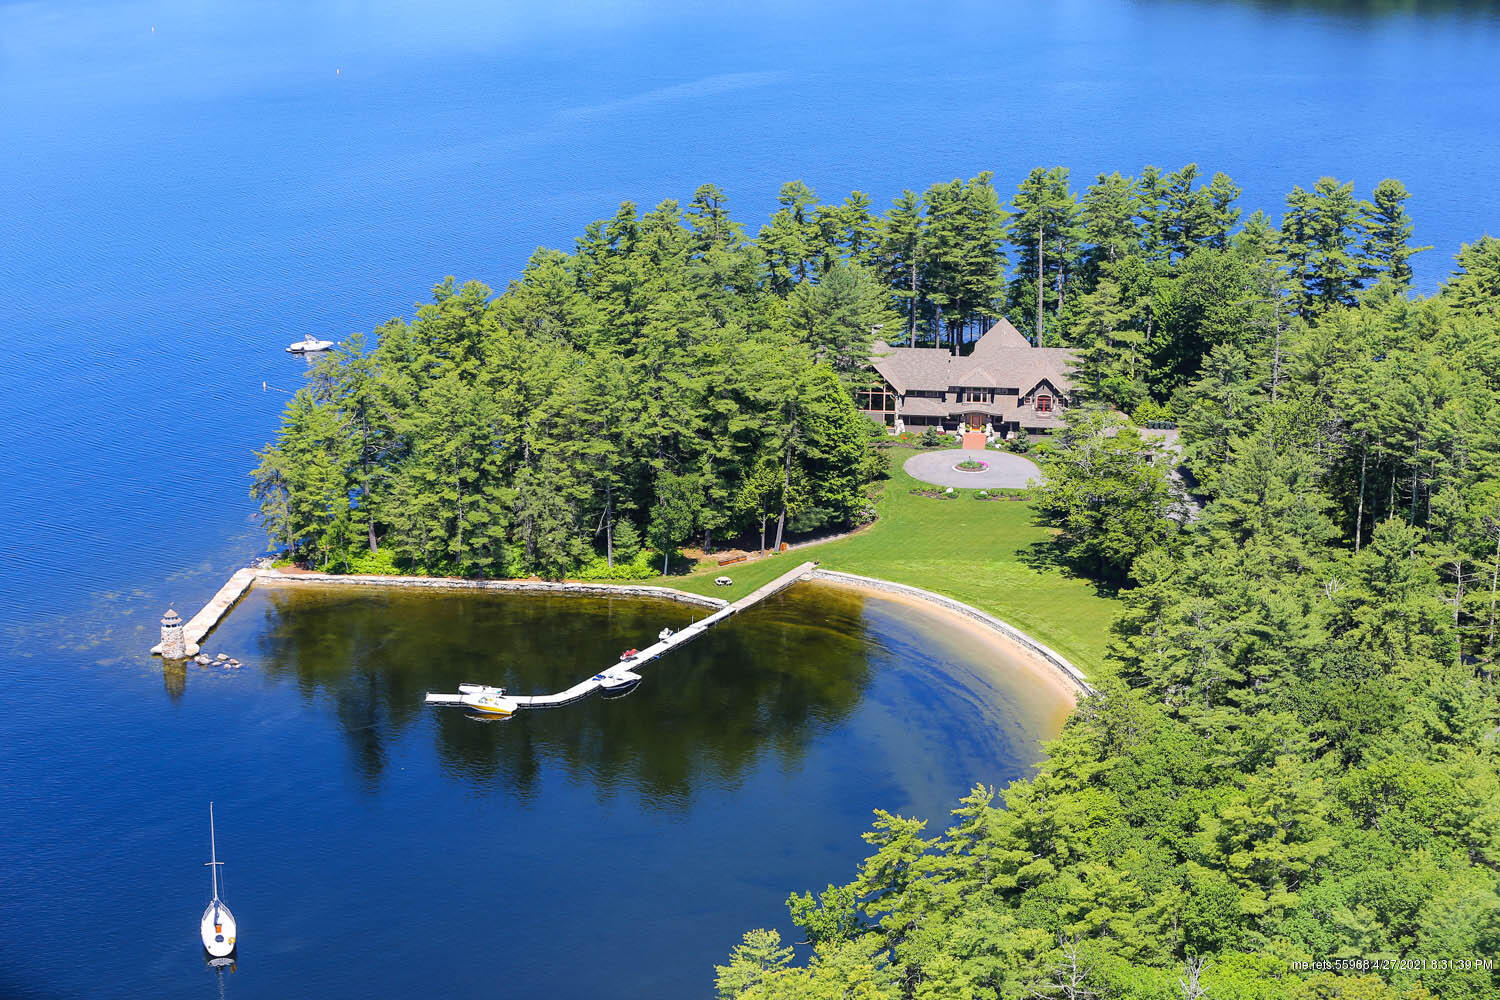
(1044, 404)
(974, 395)
(881, 399)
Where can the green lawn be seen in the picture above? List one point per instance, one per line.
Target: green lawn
(976, 552)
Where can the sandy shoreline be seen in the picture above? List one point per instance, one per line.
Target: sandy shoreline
(1016, 644)
(1006, 657)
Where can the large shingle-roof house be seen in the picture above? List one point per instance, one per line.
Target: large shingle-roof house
(1002, 386)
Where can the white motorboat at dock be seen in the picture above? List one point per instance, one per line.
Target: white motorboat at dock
(479, 698)
(617, 681)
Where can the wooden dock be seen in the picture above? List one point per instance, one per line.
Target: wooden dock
(586, 687)
(200, 624)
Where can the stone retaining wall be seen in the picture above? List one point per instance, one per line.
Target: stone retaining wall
(1075, 677)
(598, 589)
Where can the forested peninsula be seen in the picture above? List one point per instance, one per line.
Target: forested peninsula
(1291, 757)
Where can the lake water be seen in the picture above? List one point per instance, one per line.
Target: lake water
(375, 847)
(189, 187)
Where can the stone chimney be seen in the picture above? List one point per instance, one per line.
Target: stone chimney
(173, 644)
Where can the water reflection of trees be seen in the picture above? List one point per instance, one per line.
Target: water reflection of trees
(766, 682)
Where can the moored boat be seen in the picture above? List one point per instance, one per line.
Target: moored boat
(617, 681)
(486, 699)
(309, 345)
(217, 928)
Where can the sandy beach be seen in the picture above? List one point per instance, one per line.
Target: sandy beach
(1038, 684)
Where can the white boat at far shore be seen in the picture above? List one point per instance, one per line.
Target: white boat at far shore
(309, 345)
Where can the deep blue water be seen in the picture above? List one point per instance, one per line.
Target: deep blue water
(188, 187)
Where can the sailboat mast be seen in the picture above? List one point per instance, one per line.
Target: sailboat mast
(213, 851)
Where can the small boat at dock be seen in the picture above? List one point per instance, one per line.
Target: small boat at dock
(479, 698)
(309, 345)
(217, 928)
(617, 681)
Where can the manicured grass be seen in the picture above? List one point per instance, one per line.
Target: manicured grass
(978, 552)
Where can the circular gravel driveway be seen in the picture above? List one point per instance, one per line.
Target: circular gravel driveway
(1006, 471)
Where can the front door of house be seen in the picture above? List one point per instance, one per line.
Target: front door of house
(976, 421)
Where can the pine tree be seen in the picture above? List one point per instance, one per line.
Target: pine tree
(902, 239)
(303, 482)
(1475, 286)
(965, 269)
(848, 231)
(1111, 368)
(839, 315)
(1222, 192)
(708, 214)
(1318, 243)
(1045, 231)
(1109, 228)
(1107, 494)
(1221, 406)
(1256, 239)
(1151, 194)
(1388, 230)
(756, 959)
(792, 242)
(452, 507)
(1187, 216)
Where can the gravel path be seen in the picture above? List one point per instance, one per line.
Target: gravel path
(1006, 471)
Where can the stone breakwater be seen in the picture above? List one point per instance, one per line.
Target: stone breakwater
(242, 580)
(1071, 675)
(192, 633)
(521, 586)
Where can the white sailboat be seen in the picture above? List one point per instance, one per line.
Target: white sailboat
(217, 928)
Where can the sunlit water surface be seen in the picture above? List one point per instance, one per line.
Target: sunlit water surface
(189, 187)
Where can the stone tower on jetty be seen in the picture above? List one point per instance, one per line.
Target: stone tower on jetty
(173, 643)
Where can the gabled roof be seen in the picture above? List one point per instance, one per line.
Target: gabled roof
(1027, 367)
(907, 368)
(1001, 359)
(1000, 336)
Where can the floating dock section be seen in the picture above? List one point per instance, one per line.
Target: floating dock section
(601, 680)
(199, 625)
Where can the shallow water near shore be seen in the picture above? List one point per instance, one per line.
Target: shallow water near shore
(608, 848)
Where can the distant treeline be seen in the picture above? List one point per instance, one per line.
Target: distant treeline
(671, 379)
